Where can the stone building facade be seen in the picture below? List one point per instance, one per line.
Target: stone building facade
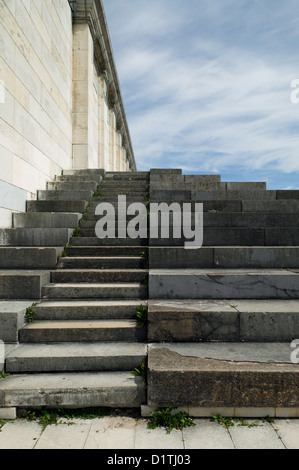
(60, 101)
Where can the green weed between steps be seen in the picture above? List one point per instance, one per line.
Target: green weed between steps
(3, 375)
(61, 416)
(227, 422)
(30, 314)
(141, 314)
(77, 232)
(141, 371)
(166, 418)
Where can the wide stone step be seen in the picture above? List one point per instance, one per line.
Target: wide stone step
(129, 290)
(29, 258)
(45, 220)
(222, 257)
(223, 284)
(75, 357)
(222, 375)
(110, 389)
(35, 237)
(77, 179)
(88, 309)
(82, 331)
(57, 206)
(223, 320)
(103, 251)
(72, 186)
(22, 284)
(96, 275)
(73, 195)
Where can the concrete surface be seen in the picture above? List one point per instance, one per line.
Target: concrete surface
(127, 432)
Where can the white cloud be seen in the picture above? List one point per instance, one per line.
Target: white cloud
(205, 90)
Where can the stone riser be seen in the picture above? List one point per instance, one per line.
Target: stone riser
(73, 357)
(224, 321)
(29, 258)
(224, 257)
(73, 186)
(105, 251)
(46, 220)
(112, 389)
(103, 263)
(246, 220)
(88, 309)
(208, 382)
(95, 291)
(93, 276)
(82, 331)
(74, 195)
(225, 236)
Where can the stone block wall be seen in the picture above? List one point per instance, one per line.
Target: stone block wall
(60, 108)
(35, 114)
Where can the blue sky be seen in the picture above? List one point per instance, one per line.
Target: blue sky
(207, 83)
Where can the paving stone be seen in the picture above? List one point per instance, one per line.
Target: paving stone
(111, 433)
(20, 434)
(207, 435)
(257, 437)
(288, 430)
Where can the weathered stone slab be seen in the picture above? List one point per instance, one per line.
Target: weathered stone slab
(223, 284)
(22, 284)
(176, 379)
(29, 258)
(46, 220)
(35, 237)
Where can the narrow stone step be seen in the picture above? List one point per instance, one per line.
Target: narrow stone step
(94, 241)
(77, 179)
(46, 220)
(105, 262)
(128, 290)
(88, 309)
(96, 275)
(105, 251)
(224, 284)
(73, 195)
(57, 206)
(75, 357)
(222, 375)
(83, 389)
(82, 331)
(72, 186)
(223, 320)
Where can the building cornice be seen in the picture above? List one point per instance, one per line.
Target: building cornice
(92, 12)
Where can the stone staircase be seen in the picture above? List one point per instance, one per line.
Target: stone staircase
(86, 339)
(220, 318)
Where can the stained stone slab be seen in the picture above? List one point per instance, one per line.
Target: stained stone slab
(192, 321)
(35, 237)
(46, 220)
(12, 318)
(238, 378)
